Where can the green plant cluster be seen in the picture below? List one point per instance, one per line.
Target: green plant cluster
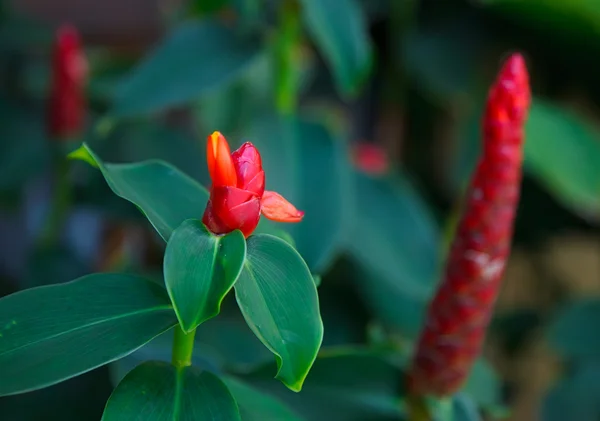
(282, 74)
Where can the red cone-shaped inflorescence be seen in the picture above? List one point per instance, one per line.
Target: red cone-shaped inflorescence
(67, 104)
(237, 194)
(459, 314)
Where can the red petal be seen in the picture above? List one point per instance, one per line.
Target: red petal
(248, 165)
(274, 207)
(220, 163)
(236, 208)
(212, 221)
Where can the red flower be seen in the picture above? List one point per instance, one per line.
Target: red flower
(67, 104)
(460, 312)
(237, 194)
(370, 158)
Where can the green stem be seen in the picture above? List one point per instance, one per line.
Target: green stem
(287, 42)
(417, 409)
(183, 347)
(61, 202)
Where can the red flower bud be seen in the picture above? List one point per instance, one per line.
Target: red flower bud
(248, 167)
(459, 314)
(370, 159)
(237, 194)
(67, 104)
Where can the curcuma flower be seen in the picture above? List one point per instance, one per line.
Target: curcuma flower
(237, 194)
(67, 104)
(459, 314)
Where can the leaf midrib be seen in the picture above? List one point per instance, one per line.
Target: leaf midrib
(248, 265)
(121, 316)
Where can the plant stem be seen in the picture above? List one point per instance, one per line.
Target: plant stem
(61, 201)
(287, 42)
(183, 347)
(417, 409)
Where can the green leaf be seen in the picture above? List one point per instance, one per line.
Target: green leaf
(51, 333)
(563, 151)
(158, 391)
(278, 298)
(464, 409)
(345, 385)
(483, 386)
(573, 332)
(258, 406)
(395, 240)
(163, 193)
(343, 39)
(200, 268)
(189, 63)
(575, 397)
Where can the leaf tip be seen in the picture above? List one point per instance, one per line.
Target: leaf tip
(83, 154)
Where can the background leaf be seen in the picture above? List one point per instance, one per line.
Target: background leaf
(576, 397)
(200, 268)
(396, 241)
(342, 38)
(563, 151)
(344, 385)
(573, 332)
(159, 391)
(305, 163)
(278, 297)
(187, 64)
(257, 406)
(51, 333)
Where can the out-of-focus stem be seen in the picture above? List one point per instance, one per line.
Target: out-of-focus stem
(287, 42)
(417, 409)
(60, 204)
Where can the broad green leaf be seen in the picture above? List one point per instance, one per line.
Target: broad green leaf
(278, 298)
(163, 193)
(563, 151)
(258, 406)
(189, 63)
(575, 397)
(343, 39)
(346, 385)
(157, 391)
(573, 332)
(200, 268)
(396, 241)
(51, 333)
